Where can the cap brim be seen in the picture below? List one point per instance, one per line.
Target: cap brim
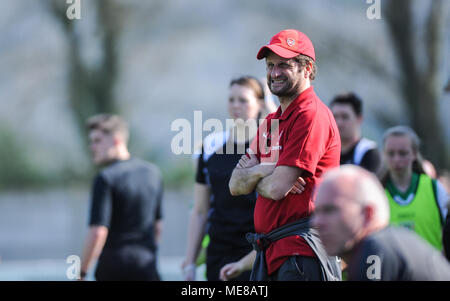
(278, 50)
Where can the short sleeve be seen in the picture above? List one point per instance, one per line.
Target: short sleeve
(200, 173)
(101, 206)
(446, 238)
(371, 160)
(306, 143)
(442, 199)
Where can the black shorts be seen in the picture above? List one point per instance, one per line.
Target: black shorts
(127, 263)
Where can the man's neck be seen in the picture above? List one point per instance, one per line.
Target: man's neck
(285, 101)
(124, 157)
(347, 144)
(348, 255)
(122, 154)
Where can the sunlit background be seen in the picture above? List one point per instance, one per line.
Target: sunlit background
(156, 61)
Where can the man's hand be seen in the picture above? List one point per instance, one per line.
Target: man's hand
(246, 162)
(82, 276)
(231, 270)
(299, 186)
(188, 270)
(281, 182)
(234, 269)
(248, 173)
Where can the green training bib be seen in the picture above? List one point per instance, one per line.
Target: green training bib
(417, 210)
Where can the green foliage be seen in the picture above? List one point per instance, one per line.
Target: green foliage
(16, 169)
(178, 174)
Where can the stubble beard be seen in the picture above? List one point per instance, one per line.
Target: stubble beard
(287, 91)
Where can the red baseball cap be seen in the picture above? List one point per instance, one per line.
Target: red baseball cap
(288, 43)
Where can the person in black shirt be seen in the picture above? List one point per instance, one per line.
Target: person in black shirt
(352, 216)
(446, 237)
(227, 218)
(355, 149)
(125, 217)
(444, 178)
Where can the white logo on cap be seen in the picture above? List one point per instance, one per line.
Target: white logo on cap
(290, 41)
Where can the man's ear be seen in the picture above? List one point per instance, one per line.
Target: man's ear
(369, 213)
(308, 69)
(360, 119)
(117, 140)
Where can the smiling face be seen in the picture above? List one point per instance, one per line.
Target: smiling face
(285, 77)
(243, 103)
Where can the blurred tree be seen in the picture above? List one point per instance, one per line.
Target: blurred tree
(17, 170)
(421, 84)
(91, 86)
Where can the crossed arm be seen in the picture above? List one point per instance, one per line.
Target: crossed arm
(269, 181)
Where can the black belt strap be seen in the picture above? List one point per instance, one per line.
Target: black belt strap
(330, 267)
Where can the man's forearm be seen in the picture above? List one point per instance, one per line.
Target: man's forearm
(274, 187)
(264, 187)
(248, 260)
(195, 235)
(158, 231)
(95, 241)
(244, 180)
(88, 256)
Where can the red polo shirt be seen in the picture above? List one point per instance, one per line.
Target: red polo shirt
(308, 138)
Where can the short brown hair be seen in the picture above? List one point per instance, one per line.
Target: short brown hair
(109, 124)
(303, 60)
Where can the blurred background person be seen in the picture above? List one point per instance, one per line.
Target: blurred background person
(228, 218)
(444, 178)
(125, 218)
(429, 169)
(416, 201)
(352, 217)
(347, 109)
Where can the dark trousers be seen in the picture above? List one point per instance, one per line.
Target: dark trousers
(298, 268)
(127, 263)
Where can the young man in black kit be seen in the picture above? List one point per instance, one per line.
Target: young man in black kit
(355, 149)
(125, 217)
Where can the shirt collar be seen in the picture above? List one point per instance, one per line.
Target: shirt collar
(294, 104)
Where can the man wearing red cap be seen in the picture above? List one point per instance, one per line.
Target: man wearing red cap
(294, 147)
